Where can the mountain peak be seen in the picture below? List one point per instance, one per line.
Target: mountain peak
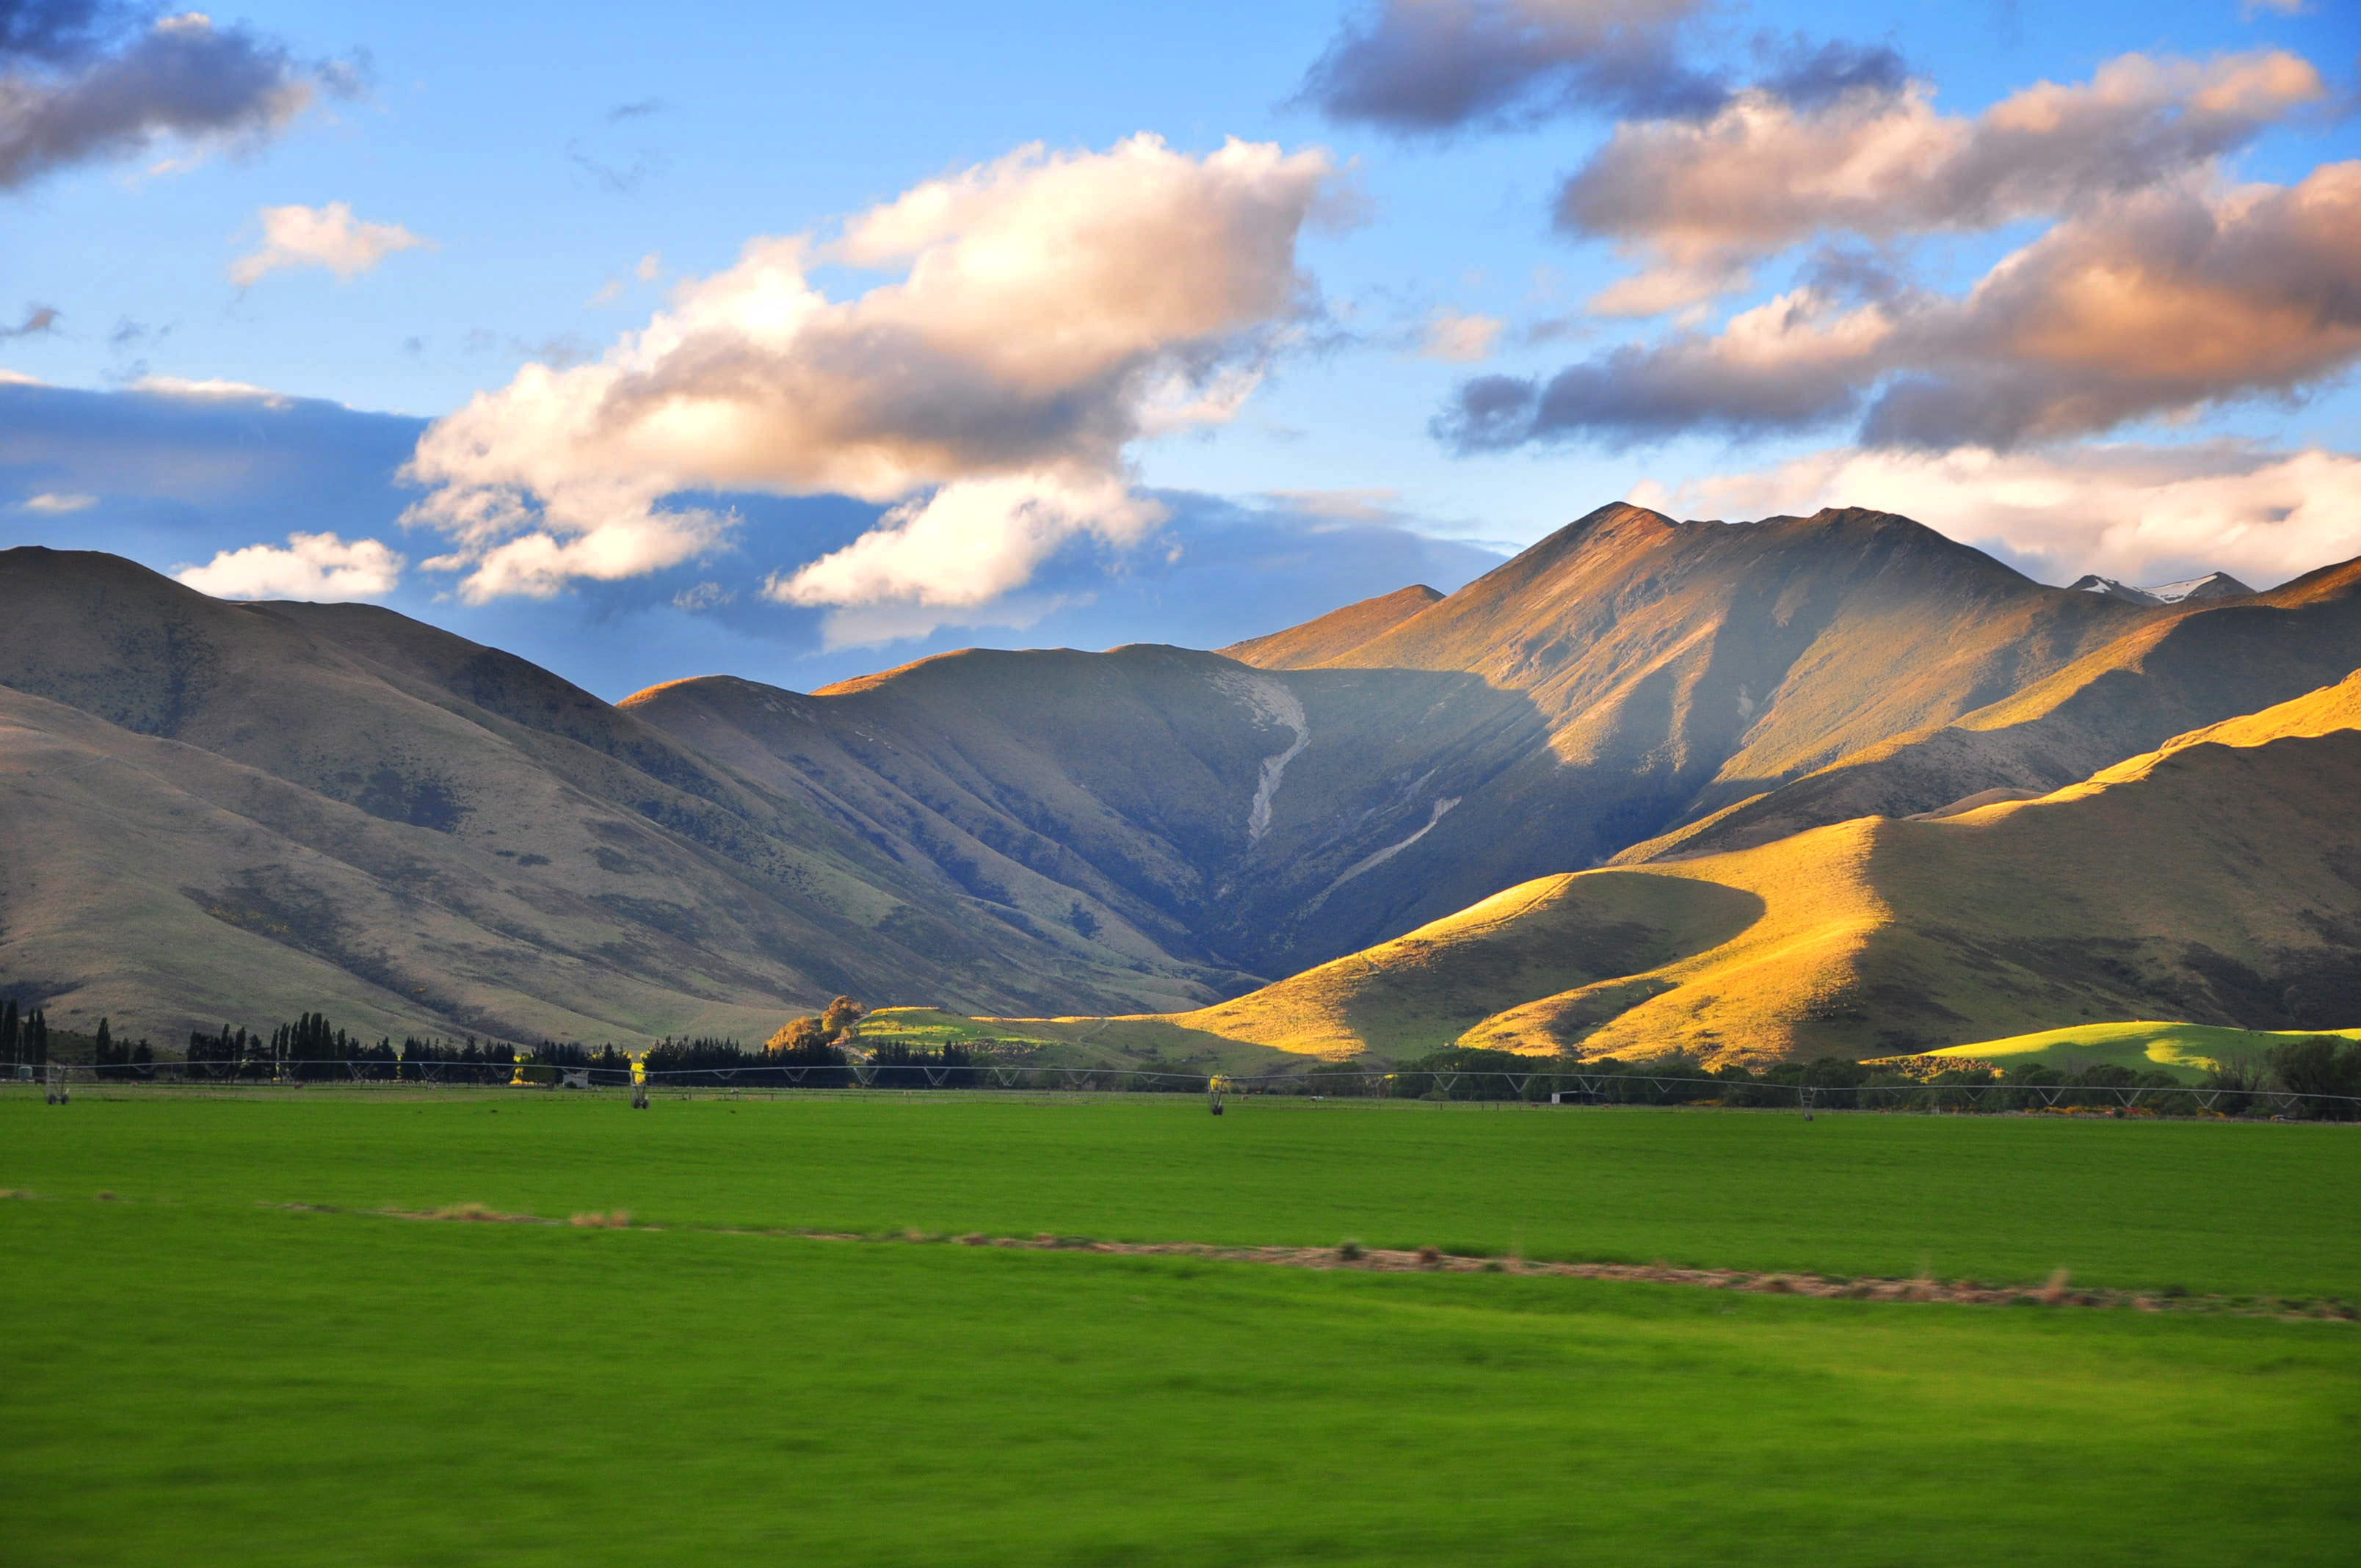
(1335, 634)
(2189, 590)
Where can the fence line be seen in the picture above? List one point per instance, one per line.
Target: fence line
(1559, 1084)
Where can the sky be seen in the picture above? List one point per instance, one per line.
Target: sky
(794, 343)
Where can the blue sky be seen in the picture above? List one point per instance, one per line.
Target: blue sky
(1409, 364)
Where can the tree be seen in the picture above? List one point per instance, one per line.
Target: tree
(802, 1037)
(9, 1031)
(842, 1019)
(2323, 1066)
(103, 1054)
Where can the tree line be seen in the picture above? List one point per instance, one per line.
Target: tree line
(822, 1050)
(2323, 1072)
(24, 1037)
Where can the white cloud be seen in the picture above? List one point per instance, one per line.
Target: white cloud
(1049, 310)
(650, 266)
(539, 563)
(58, 502)
(1699, 201)
(972, 541)
(326, 237)
(315, 567)
(1459, 338)
(2139, 513)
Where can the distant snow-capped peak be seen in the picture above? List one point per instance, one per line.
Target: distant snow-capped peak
(2212, 586)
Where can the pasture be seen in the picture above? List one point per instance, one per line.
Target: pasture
(200, 1373)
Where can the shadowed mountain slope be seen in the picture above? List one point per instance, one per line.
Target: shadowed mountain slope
(1171, 800)
(2216, 880)
(1333, 635)
(251, 811)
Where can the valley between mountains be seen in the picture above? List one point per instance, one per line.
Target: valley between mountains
(1793, 788)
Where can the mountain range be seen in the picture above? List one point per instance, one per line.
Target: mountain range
(1728, 787)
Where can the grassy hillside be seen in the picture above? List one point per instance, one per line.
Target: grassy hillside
(2216, 880)
(2187, 1051)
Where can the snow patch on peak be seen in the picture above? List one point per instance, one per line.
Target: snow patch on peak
(2212, 586)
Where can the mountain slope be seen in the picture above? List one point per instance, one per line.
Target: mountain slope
(2216, 880)
(1333, 635)
(1171, 800)
(2174, 672)
(471, 843)
(426, 835)
(1677, 668)
(1628, 675)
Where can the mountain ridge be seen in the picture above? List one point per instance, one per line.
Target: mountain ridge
(334, 806)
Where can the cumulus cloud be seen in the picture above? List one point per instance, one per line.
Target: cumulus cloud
(1046, 311)
(316, 566)
(972, 541)
(81, 81)
(2137, 513)
(1434, 65)
(326, 236)
(1700, 200)
(1459, 337)
(2160, 302)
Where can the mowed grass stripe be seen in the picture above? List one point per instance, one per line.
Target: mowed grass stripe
(215, 1386)
(2235, 1209)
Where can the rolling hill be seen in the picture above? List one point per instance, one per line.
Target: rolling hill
(2186, 1051)
(2216, 880)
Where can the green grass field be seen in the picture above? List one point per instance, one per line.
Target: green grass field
(197, 1378)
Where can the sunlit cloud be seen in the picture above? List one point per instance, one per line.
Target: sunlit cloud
(1045, 312)
(327, 236)
(2139, 514)
(320, 567)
